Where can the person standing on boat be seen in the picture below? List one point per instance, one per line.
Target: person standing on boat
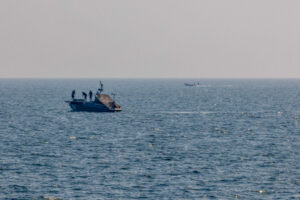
(100, 89)
(91, 95)
(73, 94)
(84, 95)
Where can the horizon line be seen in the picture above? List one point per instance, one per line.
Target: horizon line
(149, 77)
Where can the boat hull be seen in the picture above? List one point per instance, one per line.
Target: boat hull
(90, 107)
(189, 85)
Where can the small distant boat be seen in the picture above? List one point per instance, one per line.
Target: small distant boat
(192, 84)
(101, 103)
(188, 84)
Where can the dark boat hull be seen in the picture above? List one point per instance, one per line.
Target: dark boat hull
(90, 107)
(188, 84)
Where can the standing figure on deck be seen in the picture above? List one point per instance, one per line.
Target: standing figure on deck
(91, 95)
(100, 89)
(84, 95)
(73, 94)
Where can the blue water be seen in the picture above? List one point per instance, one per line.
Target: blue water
(228, 139)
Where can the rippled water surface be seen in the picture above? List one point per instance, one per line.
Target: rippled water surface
(228, 139)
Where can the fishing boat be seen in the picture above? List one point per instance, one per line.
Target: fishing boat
(189, 84)
(192, 84)
(101, 103)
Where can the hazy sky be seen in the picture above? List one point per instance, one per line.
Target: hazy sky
(150, 38)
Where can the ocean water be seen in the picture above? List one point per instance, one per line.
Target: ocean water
(228, 139)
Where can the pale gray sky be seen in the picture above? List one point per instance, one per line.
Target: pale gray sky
(150, 38)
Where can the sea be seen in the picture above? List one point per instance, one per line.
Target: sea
(226, 139)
